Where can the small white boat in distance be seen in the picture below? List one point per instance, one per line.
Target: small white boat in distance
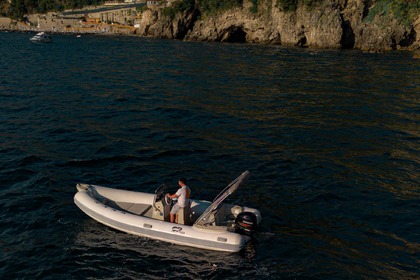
(41, 37)
(202, 224)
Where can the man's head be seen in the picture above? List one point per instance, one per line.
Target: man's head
(182, 181)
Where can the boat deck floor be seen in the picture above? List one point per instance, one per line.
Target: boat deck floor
(135, 208)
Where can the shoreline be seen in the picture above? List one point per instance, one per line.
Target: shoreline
(149, 24)
(415, 52)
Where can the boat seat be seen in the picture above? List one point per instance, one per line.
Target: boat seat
(184, 215)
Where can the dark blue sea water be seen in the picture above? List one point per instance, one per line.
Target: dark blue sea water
(331, 139)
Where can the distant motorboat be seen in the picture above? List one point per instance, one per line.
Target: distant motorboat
(41, 37)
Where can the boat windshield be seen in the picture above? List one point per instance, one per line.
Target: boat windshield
(204, 219)
(160, 192)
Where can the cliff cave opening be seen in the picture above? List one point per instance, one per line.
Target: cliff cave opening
(409, 39)
(236, 35)
(348, 37)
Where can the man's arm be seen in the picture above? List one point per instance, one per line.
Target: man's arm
(172, 196)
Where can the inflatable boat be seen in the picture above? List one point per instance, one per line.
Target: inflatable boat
(201, 224)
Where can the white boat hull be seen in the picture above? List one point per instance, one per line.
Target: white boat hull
(41, 37)
(90, 199)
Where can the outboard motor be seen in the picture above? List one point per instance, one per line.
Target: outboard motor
(246, 223)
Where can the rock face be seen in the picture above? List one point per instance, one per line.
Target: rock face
(154, 24)
(333, 24)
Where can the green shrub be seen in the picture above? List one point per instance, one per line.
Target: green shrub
(311, 3)
(178, 7)
(403, 10)
(169, 12)
(212, 7)
(291, 5)
(20, 7)
(254, 7)
(142, 8)
(287, 5)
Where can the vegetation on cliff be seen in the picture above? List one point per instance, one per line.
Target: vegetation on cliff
(291, 5)
(18, 8)
(401, 9)
(179, 6)
(215, 6)
(209, 7)
(404, 10)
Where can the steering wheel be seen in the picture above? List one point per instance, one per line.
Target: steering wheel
(167, 200)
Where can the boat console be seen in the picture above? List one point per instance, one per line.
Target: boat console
(161, 205)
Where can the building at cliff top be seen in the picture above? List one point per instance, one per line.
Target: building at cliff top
(119, 2)
(153, 3)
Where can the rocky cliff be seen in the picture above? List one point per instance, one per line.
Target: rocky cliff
(332, 24)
